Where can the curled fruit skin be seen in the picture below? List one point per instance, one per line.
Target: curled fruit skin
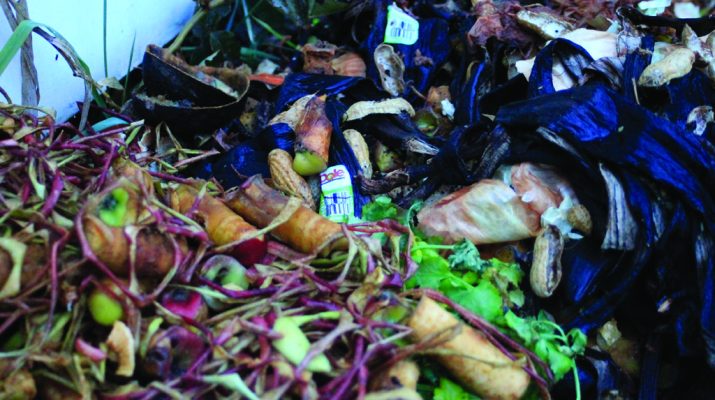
(12, 262)
(405, 374)
(21, 264)
(362, 109)
(467, 354)
(436, 95)
(121, 342)
(119, 205)
(349, 64)
(305, 230)
(108, 243)
(227, 271)
(114, 208)
(113, 225)
(154, 249)
(222, 225)
(317, 57)
(386, 160)
(312, 138)
(123, 167)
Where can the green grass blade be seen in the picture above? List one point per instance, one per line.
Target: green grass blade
(129, 69)
(15, 42)
(18, 37)
(65, 48)
(104, 38)
(249, 25)
(248, 52)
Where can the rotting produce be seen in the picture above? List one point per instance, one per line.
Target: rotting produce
(373, 200)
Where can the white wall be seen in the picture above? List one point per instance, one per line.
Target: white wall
(80, 22)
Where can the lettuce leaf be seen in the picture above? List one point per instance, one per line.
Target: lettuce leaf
(448, 390)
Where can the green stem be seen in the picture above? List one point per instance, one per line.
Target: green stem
(247, 17)
(304, 319)
(576, 380)
(185, 31)
(555, 326)
(190, 25)
(552, 337)
(432, 247)
(275, 33)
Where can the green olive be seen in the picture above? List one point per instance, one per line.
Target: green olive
(426, 121)
(227, 271)
(104, 309)
(235, 278)
(306, 163)
(113, 209)
(386, 160)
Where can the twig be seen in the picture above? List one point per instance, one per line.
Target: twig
(75, 64)
(30, 85)
(5, 95)
(85, 107)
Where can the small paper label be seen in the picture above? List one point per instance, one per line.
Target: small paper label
(401, 28)
(336, 200)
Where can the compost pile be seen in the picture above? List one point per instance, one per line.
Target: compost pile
(374, 200)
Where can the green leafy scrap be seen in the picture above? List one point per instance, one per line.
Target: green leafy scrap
(381, 208)
(520, 326)
(448, 390)
(409, 216)
(483, 299)
(549, 341)
(433, 270)
(469, 290)
(506, 277)
(491, 293)
(465, 257)
(489, 288)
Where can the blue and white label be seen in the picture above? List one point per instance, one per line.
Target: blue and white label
(401, 28)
